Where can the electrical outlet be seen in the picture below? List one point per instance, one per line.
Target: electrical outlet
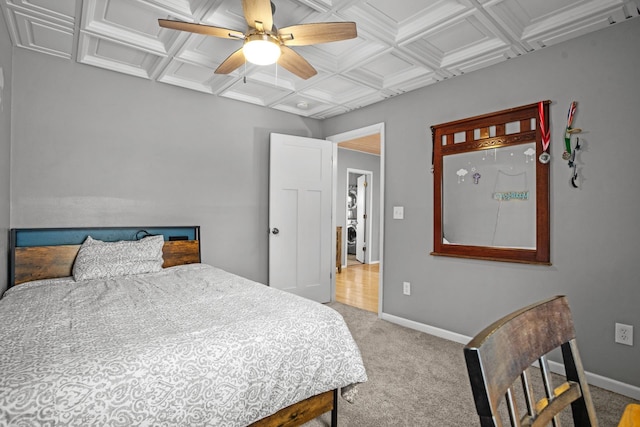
(624, 334)
(406, 288)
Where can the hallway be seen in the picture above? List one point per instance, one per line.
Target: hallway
(357, 285)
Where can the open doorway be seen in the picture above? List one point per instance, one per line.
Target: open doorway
(359, 220)
(358, 216)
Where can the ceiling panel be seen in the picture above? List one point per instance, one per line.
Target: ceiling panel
(64, 10)
(207, 51)
(106, 53)
(35, 33)
(125, 21)
(255, 91)
(42, 26)
(402, 45)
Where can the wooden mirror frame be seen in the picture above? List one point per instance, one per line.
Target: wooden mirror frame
(444, 144)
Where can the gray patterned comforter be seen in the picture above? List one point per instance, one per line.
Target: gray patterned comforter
(190, 346)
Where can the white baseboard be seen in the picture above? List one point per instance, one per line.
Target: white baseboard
(593, 379)
(431, 330)
(602, 382)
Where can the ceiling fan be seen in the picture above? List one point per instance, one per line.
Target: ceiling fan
(265, 44)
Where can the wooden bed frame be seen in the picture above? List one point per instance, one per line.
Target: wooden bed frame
(35, 262)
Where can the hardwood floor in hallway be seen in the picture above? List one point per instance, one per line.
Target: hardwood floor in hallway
(357, 286)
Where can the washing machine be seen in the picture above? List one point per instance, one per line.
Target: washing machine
(352, 200)
(351, 238)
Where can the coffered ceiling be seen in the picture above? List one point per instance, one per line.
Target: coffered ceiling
(402, 45)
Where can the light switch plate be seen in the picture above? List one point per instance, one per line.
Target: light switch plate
(398, 212)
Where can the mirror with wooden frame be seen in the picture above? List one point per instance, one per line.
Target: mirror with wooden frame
(491, 190)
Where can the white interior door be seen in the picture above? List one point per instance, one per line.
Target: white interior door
(361, 224)
(300, 208)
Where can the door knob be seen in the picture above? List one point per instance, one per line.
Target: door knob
(275, 231)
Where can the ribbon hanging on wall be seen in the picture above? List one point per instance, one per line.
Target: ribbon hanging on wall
(546, 136)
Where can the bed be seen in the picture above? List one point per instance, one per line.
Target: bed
(90, 342)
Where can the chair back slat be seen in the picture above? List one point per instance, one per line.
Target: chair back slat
(548, 384)
(528, 391)
(512, 407)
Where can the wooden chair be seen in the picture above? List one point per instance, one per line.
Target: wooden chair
(504, 351)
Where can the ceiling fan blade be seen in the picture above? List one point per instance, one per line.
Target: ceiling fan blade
(260, 11)
(324, 32)
(208, 30)
(235, 60)
(293, 62)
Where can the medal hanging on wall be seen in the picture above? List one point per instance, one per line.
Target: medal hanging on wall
(568, 154)
(569, 131)
(545, 157)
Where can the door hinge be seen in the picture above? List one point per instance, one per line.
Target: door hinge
(365, 183)
(364, 249)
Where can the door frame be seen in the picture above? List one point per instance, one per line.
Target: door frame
(369, 208)
(345, 136)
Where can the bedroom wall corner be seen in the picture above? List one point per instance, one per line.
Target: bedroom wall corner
(6, 63)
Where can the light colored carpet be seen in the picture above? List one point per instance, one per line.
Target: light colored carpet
(417, 379)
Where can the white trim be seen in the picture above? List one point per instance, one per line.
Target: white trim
(593, 379)
(334, 252)
(431, 330)
(602, 382)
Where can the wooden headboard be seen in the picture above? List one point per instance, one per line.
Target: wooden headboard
(47, 253)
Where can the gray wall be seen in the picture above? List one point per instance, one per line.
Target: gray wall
(97, 148)
(594, 229)
(357, 160)
(5, 145)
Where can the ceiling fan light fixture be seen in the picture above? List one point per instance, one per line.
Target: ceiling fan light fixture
(261, 49)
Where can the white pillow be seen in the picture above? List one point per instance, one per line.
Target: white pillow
(97, 259)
